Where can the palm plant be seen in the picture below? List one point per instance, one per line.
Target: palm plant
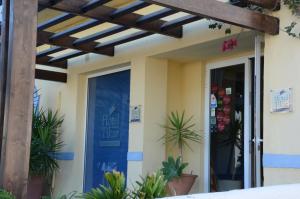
(152, 186)
(180, 131)
(115, 190)
(45, 142)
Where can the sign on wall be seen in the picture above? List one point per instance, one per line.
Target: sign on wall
(281, 100)
(135, 114)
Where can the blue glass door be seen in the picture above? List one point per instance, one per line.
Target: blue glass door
(107, 127)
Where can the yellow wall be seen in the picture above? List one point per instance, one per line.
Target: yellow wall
(155, 113)
(282, 70)
(185, 93)
(161, 86)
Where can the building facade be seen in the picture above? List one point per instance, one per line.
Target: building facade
(114, 108)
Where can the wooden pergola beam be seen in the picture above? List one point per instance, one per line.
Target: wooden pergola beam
(45, 60)
(93, 4)
(226, 13)
(68, 42)
(123, 40)
(56, 20)
(50, 75)
(65, 16)
(99, 35)
(180, 21)
(76, 29)
(168, 25)
(63, 58)
(156, 15)
(19, 89)
(50, 3)
(50, 51)
(129, 9)
(104, 13)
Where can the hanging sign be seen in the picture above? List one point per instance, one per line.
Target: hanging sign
(281, 100)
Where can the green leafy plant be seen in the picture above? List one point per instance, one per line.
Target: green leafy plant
(6, 195)
(150, 187)
(293, 5)
(115, 190)
(45, 142)
(65, 196)
(173, 168)
(180, 131)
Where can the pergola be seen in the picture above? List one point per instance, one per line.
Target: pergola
(20, 35)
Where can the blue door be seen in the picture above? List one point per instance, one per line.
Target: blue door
(107, 127)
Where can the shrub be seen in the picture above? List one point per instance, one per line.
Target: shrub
(152, 186)
(115, 190)
(6, 195)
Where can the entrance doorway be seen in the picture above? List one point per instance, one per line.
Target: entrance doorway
(107, 127)
(228, 123)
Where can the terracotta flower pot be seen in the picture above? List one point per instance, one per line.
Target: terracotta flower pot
(182, 185)
(35, 187)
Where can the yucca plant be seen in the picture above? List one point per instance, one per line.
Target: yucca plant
(6, 195)
(173, 168)
(150, 187)
(116, 188)
(45, 142)
(180, 131)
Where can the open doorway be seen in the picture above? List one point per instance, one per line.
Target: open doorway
(229, 125)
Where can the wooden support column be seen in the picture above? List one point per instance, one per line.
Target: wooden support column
(3, 63)
(21, 53)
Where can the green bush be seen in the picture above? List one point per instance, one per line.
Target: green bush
(65, 196)
(45, 142)
(152, 186)
(115, 190)
(173, 168)
(6, 195)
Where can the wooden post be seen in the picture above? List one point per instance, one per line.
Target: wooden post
(19, 96)
(3, 63)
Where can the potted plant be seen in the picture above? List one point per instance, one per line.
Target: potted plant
(45, 142)
(151, 187)
(180, 131)
(116, 188)
(178, 182)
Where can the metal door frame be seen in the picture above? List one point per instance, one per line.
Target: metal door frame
(247, 119)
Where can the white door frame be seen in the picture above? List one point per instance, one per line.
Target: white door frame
(247, 120)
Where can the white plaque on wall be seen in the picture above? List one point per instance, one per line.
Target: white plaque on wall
(135, 114)
(281, 100)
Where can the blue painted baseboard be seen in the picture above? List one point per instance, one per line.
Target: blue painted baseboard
(281, 161)
(135, 156)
